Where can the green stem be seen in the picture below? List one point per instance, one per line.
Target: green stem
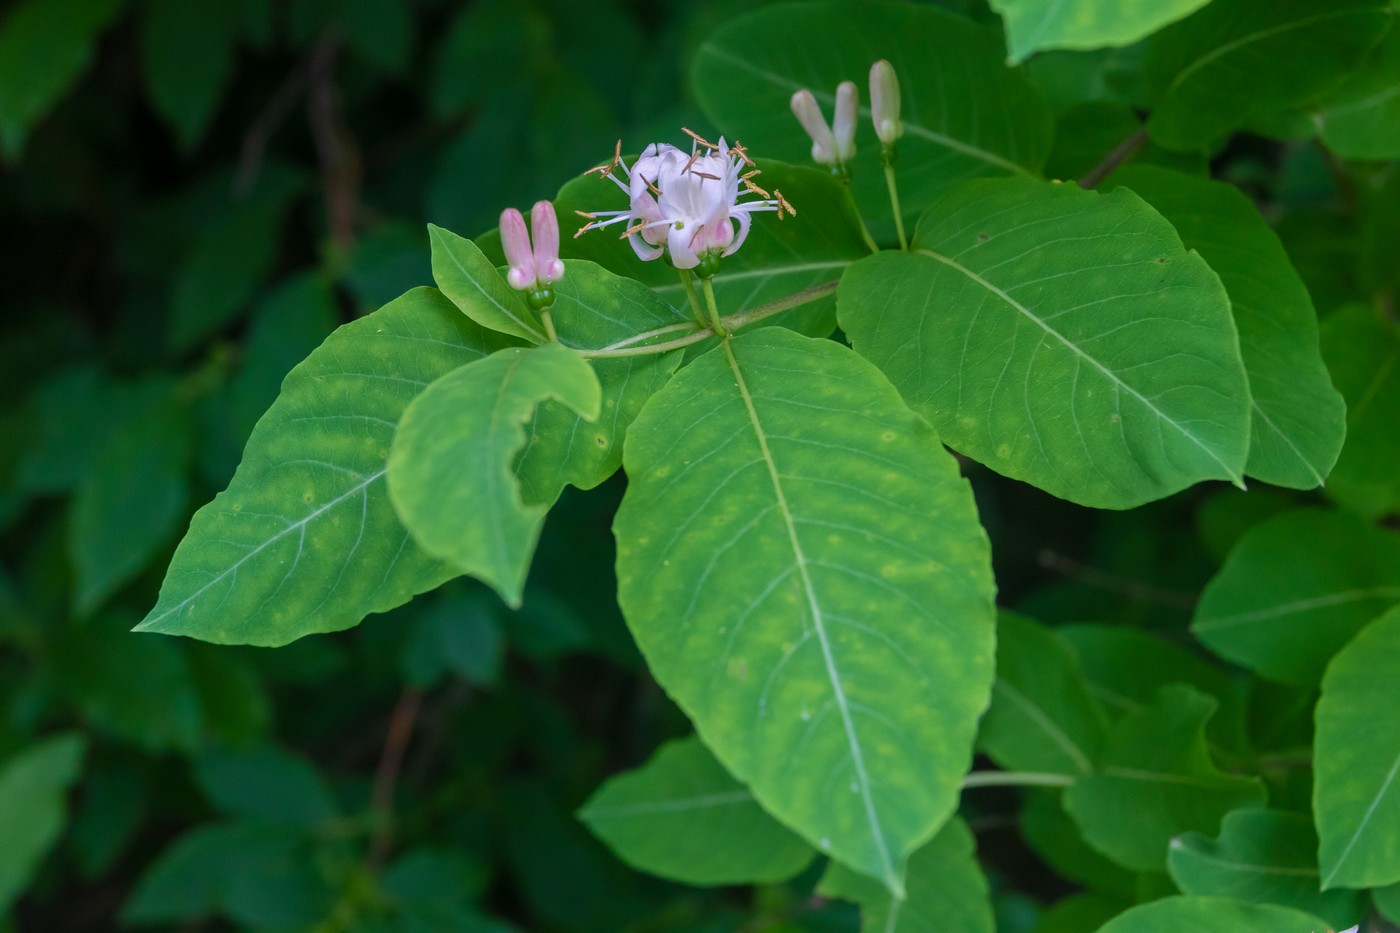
(716, 322)
(548, 321)
(688, 282)
(864, 230)
(1016, 779)
(732, 322)
(894, 204)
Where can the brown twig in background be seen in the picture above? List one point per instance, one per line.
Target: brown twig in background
(341, 167)
(386, 777)
(1133, 589)
(1116, 157)
(272, 116)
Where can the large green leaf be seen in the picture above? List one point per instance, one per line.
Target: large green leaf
(945, 889)
(1361, 118)
(1059, 336)
(745, 73)
(804, 571)
(1212, 915)
(1054, 837)
(594, 309)
(781, 256)
(1237, 61)
(44, 46)
(130, 503)
(1032, 25)
(1156, 782)
(34, 788)
(472, 282)
(450, 475)
(1265, 856)
(1356, 761)
(1042, 717)
(304, 539)
(1295, 590)
(1296, 418)
(682, 816)
(265, 784)
(1362, 350)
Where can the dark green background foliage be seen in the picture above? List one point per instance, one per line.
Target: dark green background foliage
(196, 195)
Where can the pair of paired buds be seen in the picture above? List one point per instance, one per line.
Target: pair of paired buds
(533, 268)
(834, 145)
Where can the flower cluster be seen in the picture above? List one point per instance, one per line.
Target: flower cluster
(835, 145)
(686, 205)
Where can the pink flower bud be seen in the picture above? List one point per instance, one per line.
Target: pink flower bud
(515, 243)
(545, 228)
(884, 102)
(804, 107)
(843, 123)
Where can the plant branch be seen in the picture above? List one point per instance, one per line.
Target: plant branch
(401, 724)
(1116, 157)
(1016, 779)
(729, 323)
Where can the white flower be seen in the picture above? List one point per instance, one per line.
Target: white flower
(884, 102)
(686, 205)
(833, 145)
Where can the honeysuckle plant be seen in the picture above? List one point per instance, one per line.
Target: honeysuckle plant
(800, 556)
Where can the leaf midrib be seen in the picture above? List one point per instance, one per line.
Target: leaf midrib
(674, 805)
(1258, 36)
(1047, 725)
(1113, 377)
(818, 626)
(524, 325)
(1365, 821)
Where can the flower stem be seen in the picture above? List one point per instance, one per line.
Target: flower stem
(864, 230)
(732, 322)
(688, 282)
(894, 204)
(716, 322)
(548, 321)
(1016, 779)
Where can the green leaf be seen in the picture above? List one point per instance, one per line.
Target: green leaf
(187, 61)
(265, 784)
(1054, 837)
(945, 889)
(130, 503)
(1297, 420)
(683, 817)
(450, 475)
(1212, 915)
(1157, 781)
(44, 46)
(1264, 856)
(156, 711)
(1362, 351)
(1387, 901)
(594, 309)
(1238, 61)
(1126, 667)
(1061, 337)
(304, 539)
(1042, 717)
(34, 788)
(745, 73)
(815, 594)
(1032, 25)
(474, 285)
(257, 874)
(460, 634)
(1356, 760)
(234, 249)
(1295, 590)
(1361, 118)
(780, 257)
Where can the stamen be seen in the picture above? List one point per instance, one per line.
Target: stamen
(699, 139)
(783, 204)
(752, 174)
(606, 169)
(693, 156)
(638, 228)
(738, 150)
(705, 175)
(754, 188)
